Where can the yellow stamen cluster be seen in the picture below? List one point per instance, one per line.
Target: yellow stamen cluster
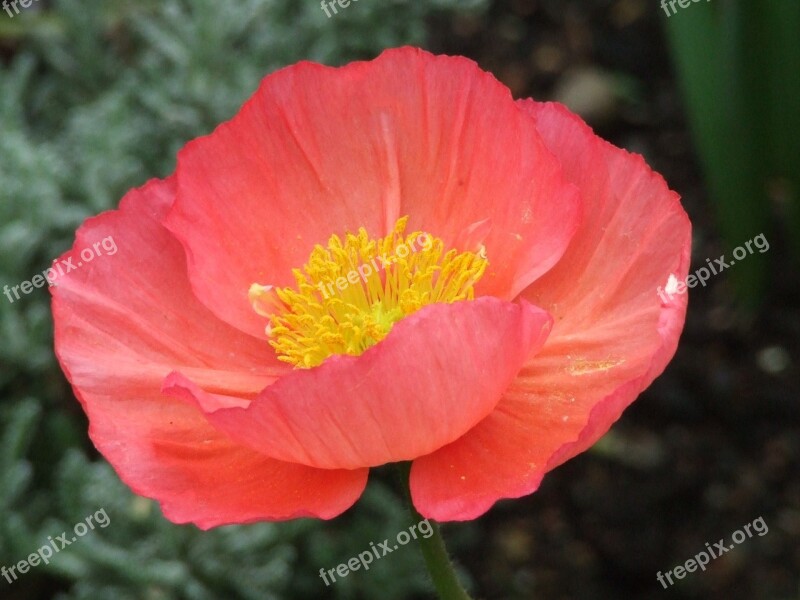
(350, 294)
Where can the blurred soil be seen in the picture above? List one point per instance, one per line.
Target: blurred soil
(714, 443)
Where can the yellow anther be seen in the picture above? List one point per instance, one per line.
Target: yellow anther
(350, 294)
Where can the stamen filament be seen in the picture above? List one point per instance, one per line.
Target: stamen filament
(350, 294)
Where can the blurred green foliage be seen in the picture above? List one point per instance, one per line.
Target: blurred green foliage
(96, 97)
(739, 64)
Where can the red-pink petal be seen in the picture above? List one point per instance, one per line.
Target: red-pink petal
(166, 450)
(438, 373)
(124, 321)
(318, 151)
(612, 333)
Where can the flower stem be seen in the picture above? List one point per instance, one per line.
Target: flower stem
(440, 567)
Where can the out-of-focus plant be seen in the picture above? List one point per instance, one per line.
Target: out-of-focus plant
(738, 64)
(95, 97)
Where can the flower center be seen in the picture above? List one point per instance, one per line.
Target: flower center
(350, 294)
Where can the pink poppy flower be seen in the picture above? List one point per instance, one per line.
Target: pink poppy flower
(238, 362)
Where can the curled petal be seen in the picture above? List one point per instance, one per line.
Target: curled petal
(611, 337)
(122, 322)
(320, 151)
(435, 376)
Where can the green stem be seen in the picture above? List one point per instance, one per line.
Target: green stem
(433, 549)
